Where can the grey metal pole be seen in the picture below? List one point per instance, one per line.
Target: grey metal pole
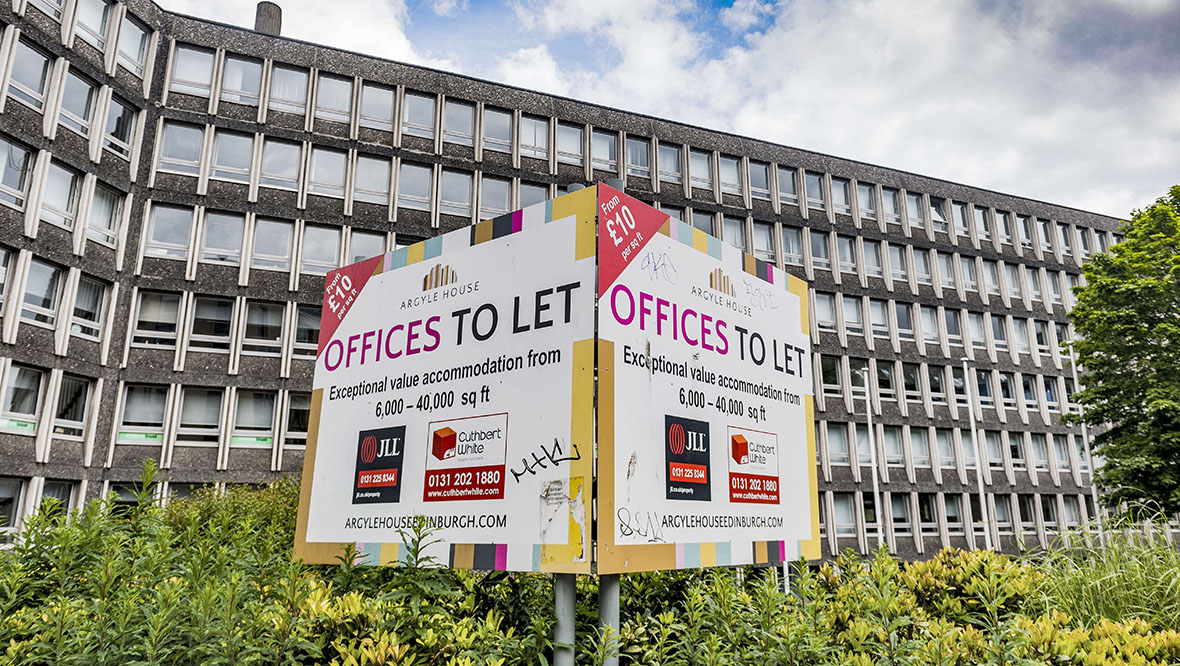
(987, 527)
(608, 614)
(873, 460)
(564, 598)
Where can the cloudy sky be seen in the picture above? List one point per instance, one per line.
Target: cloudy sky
(1075, 102)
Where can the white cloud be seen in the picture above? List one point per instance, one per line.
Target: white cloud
(745, 14)
(448, 7)
(533, 68)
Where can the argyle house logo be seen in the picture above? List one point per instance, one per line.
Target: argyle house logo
(467, 458)
(719, 281)
(686, 450)
(753, 466)
(439, 276)
(379, 455)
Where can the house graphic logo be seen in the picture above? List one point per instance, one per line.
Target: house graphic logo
(739, 449)
(439, 276)
(719, 281)
(442, 444)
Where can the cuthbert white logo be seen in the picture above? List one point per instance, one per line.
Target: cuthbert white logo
(466, 458)
(753, 466)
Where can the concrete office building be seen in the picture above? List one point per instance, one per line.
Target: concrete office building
(174, 190)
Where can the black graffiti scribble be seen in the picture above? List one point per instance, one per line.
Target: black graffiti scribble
(543, 457)
(643, 524)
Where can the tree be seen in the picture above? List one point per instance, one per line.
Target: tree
(1128, 322)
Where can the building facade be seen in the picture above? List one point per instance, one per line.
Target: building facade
(174, 191)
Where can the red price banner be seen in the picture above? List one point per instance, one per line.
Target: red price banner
(625, 225)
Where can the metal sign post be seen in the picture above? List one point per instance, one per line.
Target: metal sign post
(564, 601)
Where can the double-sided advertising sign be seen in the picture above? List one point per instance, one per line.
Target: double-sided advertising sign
(455, 384)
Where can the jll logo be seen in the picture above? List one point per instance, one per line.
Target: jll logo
(687, 458)
(379, 456)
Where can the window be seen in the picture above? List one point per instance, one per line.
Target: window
(272, 244)
(1084, 245)
(1041, 331)
(1008, 390)
(120, 127)
(459, 123)
(858, 373)
(1053, 279)
(328, 170)
(321, 249)
(200, 416)
(792, 246)
(1012, 277)
(982, 228)
(869, 513)
(891, 205)
(364, 245)
(764, 241)
(1020, 327)
(928, 513)
(30, 75)
(1045, 229)
(133, 45)
(734, 230)
(222, 242)
(570, 145)
(333, 99)
(1073, 512)
(929, 318)
(371, 182)
(413, 187)
(91, 18)
(531, 193)
(1061, 452)
(873, 267)
(298, 419)
(673, 212)
(838, 444)
(1040, 452)
(1051, 400)
(959, 383)
(886, 386)
(843, 518)
(62, 491)
(899, 507)
(254, 419)
(879, 317)
(854, 323)
(496, 198)
(905, 322)
(212, 321)
(288, 90)
(11, 491)
(913, 206)
(894, 454)
(938, 214)
(307, 331)
(604, 150)
(1004, 227)
(1024, 226)
(846, 251)
(866, 200)
(959, 217)
(59, 203)
(1026, 505)
(232, 155)
(169, 235)
(638, 157)
(264, 329)
(825, 311)
(53, 9)
(456, 193)
(192, 71)
(280, 164)
(22, 399)
(1028, 385)
(534, 137)
(42, 294)
(946, 270)
(970, 278)
(418, 115)
(497, 130)
(897, 263)
(954, 513)
(991, 277)
(181, 149)
(999, 332)
(77, 103)
(841, 200)
(788, 189)
(920, 446)
(242, 81)
(703, 220)
(954, 333)
(143, 414)
(759, 180)
(814, 184)
(821, 259)
(700, 169)
(922, 270)
(830, 374)
(994, 448)
(730, 175)
(377, 109)
(1033, 277)
(89, 303)
(155, 320)
(937, 379)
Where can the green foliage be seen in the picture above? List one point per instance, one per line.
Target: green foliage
(209, 580)
(1128, 320)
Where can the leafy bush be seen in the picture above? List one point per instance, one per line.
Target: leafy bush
(209, 580)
